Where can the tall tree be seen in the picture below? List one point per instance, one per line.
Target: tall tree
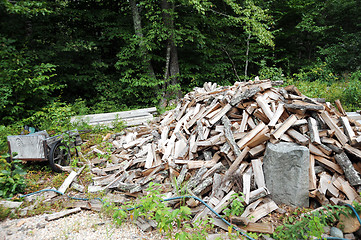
(171, 86)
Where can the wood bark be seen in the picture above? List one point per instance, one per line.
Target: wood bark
(172, 66)
(350, 173)
(137, 22)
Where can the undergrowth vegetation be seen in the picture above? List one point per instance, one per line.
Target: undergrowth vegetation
(174, 223)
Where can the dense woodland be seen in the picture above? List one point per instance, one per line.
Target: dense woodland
(76, 57)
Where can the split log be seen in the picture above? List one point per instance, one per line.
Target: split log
(312, 175)
(333, 166)
(262, 211)
(346, 188)
(243, 142)
(350, 173)
(229, 136)
(258, 173)
(284, 127)
(313, 131)
(348, 129)
(277, 115)
(353, 151)
(298, 137)
(266, 228)
(257, 194)
(245, 95)
(332, 125)
(247, 184)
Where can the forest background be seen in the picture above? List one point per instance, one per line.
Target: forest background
(67, 57)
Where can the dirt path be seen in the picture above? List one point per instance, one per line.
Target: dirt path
(84, 225)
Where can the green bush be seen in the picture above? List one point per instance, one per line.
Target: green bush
(5, 131)
(352, 92)
(274, 73)
(317, 72)
(310, 225)
(12, 178)
(54, 117)
(25, 85)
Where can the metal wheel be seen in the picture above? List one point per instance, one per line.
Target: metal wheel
(59, 156)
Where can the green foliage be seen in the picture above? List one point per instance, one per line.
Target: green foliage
(5, 131)
(24, 86)
(12, 180)
(310, 225)
(352, 92)
(29, 8)
(274, 73)
(55, 117)
(318, 72)
(348, 91)
(236, 207)
(152, 206)
(4, 212)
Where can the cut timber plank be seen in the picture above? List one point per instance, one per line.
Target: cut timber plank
(150, 157)
(61, 214)
(224, 202)
(195, 118)
(67, 182)
(332, 125)
(133, 117)
(293, 89)
(284, 127)
(257, 194)
(304, 106)
(326, 185)
(350, 173)
(329, 164)
(260, 138)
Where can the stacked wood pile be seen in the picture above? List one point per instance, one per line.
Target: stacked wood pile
(213, 144)
(130, 118)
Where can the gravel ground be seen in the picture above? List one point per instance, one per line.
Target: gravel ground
(83, 225)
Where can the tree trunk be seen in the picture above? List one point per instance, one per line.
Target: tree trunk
(247, 53)
(137, 22)
(171, 72)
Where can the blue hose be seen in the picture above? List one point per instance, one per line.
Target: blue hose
(183, 197)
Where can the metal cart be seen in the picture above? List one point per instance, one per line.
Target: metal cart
(39, 146)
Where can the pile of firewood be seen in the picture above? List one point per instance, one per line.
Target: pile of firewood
(214, 141)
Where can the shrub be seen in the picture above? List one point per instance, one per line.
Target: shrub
(12, 178)
(352, 92)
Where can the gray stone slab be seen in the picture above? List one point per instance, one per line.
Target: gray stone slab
(285, 167)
